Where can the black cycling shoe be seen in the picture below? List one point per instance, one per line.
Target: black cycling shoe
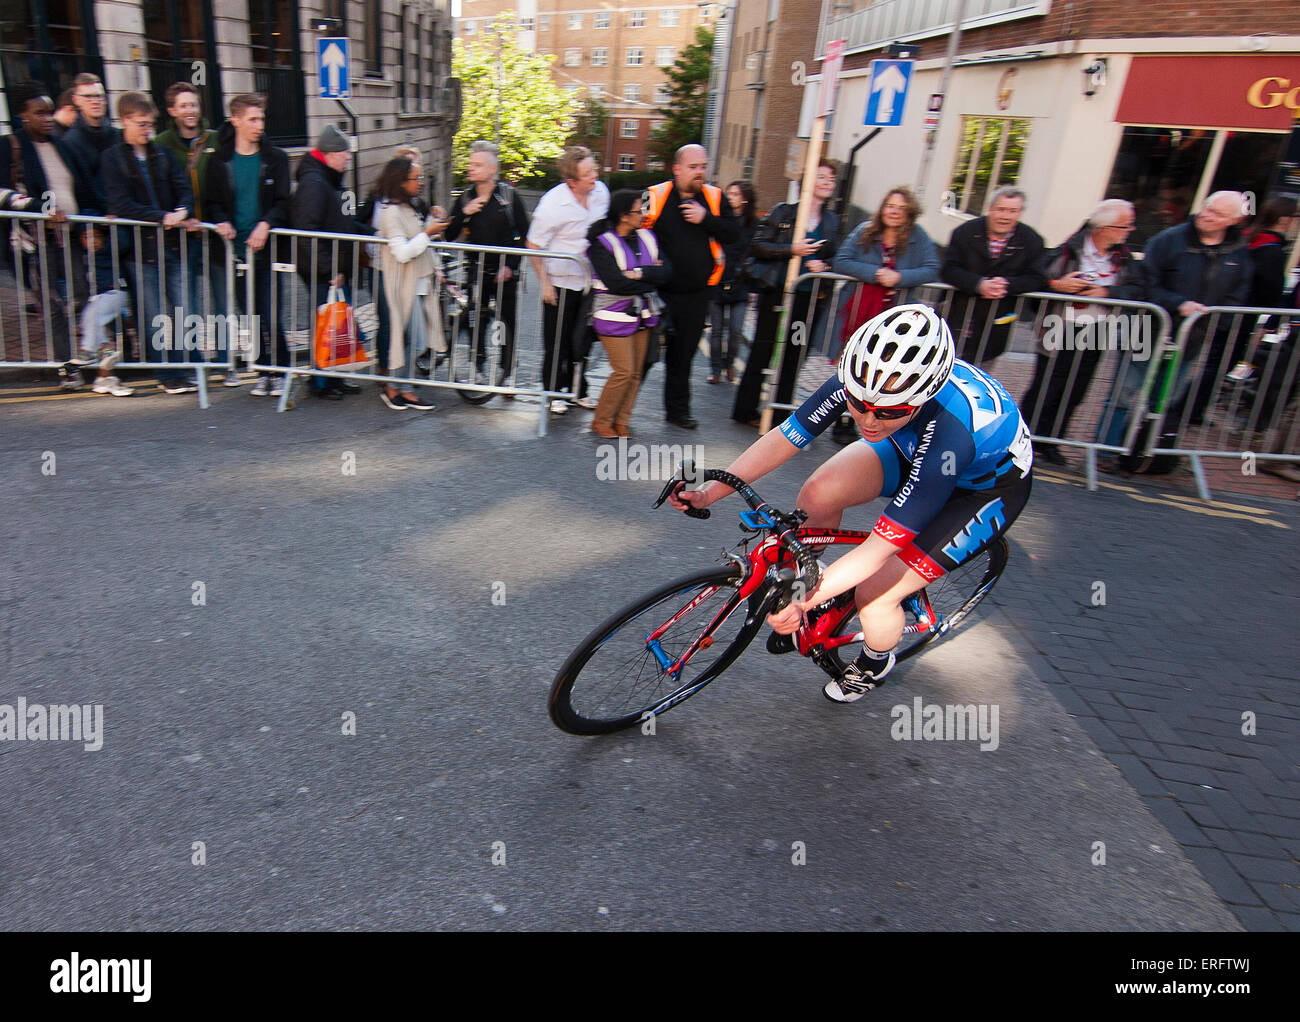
(778, 643)
(860, 677)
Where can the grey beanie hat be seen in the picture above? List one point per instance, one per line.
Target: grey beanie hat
(331, 140)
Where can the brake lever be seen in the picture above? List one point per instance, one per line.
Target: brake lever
(670, 489)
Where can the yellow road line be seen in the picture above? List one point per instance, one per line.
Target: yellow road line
(1258, 515)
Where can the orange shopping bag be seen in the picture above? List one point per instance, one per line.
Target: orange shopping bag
(338, 344)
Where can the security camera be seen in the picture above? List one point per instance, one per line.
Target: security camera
(1094, 76)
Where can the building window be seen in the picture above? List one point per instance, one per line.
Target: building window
(635, 56)
(628, 129)
(595, 89)
(668, 19)
(602, 20)
(1161, 170)
(468, 25)
(662, 95)
(525, 24)
(665, 56)
(636, 19)
(632, 93)
(626, 161)
(572, 88)
(991, 153)
(375, 41)
(573, 57)
(599, 56)
(431, 64)
(544, 22)
(706, 14)
(575, 22)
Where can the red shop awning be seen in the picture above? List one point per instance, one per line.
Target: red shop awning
(1255, 92)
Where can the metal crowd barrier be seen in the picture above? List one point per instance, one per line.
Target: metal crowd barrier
(1227, 388)
(110, 287)
(481, 344)
(1075, 367)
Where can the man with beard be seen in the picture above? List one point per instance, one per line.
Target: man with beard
(692, 224)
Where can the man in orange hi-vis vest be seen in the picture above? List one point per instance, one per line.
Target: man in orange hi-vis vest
(692, 223)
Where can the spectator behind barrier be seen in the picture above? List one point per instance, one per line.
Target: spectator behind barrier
(727, 314)
(92, 133)
(38, 165)
(1191, 266)
(317, 205)
(1095, 262)
(774, 242)
(142, 181)
(888, 253)
(990, 260)
(490, 212)
(247, 194)
(627, 266)
(692, 223)
(409, 277)
(560, 224)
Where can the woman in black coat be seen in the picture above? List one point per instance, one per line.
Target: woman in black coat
(774, 244)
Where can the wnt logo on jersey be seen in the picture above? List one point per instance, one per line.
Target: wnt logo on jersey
(979, 530)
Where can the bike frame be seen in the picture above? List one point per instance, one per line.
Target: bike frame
(762, 563)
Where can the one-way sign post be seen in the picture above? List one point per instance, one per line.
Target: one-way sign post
(333, 61)
(887, 93)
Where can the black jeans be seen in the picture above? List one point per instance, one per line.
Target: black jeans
(1053, 397)
(688, 311)
(746, 408)
(558, 321)
(493, 303)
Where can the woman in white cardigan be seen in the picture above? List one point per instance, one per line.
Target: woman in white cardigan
(410, 284)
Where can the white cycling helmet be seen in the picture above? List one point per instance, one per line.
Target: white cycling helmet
(908, 348)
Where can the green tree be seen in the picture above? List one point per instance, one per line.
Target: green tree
(590, 125)
(509, 98)
(688, 89)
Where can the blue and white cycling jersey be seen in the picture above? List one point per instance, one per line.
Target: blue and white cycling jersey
(969, 436)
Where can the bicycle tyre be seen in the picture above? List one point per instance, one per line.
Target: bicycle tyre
(953, 597)
(584, 701)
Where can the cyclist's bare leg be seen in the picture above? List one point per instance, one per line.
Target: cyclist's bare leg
(853, 476)
(879, 601)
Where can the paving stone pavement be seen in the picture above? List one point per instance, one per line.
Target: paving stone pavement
(1168, 632)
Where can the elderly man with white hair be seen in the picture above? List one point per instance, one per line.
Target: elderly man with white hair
(490, 212)
(1197, 264)
(1095, 262)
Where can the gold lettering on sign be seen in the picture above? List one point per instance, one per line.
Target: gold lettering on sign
(1257, 97)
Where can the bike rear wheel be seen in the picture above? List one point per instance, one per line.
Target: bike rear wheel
(614, 680)
(952, 598)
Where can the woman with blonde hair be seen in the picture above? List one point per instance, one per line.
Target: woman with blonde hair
(409, 269)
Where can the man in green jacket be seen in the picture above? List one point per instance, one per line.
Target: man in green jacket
(193, 143)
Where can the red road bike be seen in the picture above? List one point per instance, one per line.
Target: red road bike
(662, 649)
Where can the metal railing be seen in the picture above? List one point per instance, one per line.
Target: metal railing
(1226, 389)
(475, 346)
(98, 291)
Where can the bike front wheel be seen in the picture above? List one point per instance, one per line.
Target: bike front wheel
(631, 667)
(952, 597)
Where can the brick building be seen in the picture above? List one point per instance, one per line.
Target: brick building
(615, 52)
(400, 59)
(1160, 103)
(764, 44)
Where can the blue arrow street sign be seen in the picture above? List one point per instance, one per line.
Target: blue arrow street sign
(887, 92)
(332, 59)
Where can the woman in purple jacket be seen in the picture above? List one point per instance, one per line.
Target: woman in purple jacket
(627, 267)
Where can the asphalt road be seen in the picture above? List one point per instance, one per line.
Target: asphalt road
(380, 594)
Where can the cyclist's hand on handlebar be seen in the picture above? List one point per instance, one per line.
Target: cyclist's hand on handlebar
(682, 498)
